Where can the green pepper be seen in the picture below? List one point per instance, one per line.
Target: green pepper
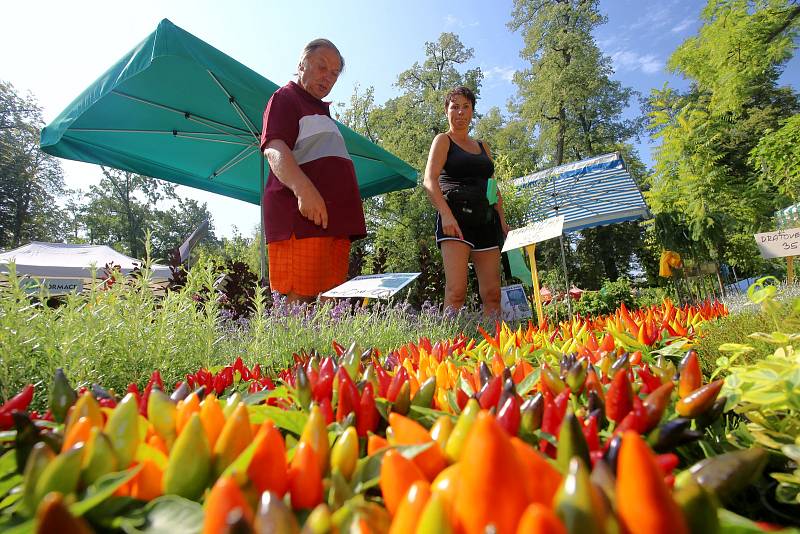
(434, 519)
(161, 412)
(99, 458)
(402, 402)
(531, 413)
(455, 443)
(62, 396)
(424, 395)
(728, 473)
(552, 380)
(318, 521)
(61, 475)
(274, 517)
(699, 508)
(344, 454)
(122, 429)
(189, 464)
(303, 387)
(575, 501)
(39, 458)
(571, 443)
(576, 375)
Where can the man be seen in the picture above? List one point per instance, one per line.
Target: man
(312, 206)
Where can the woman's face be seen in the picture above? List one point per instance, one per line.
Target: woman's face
(459, 113)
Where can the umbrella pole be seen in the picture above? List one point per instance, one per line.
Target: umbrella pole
(537, 297)
(263, 246)
(566, 276)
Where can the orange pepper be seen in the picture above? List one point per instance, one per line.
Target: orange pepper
(490, 490)
(147, 483)
(78, 433)
(268, 469)
(305, 478)
(375, 443)
(410, 508)
(158, 444)
(234, 438)
(540, 477)
(644, 503)
(212, 418)
(691, 376)
(225, 497)
(397, 475)
(185, 409)
(408, 432)
(540, 519)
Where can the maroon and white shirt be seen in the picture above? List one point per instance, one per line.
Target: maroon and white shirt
(304, 123)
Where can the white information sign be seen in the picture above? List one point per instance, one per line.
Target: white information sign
(779, 244)
(373, 286)
(534, 233)
(56, 286)
(513, 303)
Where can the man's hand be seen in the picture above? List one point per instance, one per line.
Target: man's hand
(312, 206)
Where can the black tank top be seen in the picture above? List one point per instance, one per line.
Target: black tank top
(463, 169)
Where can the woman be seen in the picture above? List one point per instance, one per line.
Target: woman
(467, 227)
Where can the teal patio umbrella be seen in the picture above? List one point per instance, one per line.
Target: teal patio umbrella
(178, 109)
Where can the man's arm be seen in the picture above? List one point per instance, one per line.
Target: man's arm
(283, 165)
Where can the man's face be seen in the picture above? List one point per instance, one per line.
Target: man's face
(319, 72)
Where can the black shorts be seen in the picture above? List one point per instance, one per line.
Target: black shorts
(484, 237)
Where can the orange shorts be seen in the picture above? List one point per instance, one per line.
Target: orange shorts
(308, 266)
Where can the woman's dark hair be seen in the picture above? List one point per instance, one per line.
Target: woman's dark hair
(466, 92)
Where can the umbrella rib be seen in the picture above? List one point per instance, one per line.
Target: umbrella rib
(238, 158)
(175, 133)
(235, 104)
(211, 123)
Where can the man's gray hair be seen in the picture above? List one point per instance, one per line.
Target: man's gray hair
(321, 43)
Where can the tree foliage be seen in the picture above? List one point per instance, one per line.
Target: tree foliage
(703, 181)
(30, 180)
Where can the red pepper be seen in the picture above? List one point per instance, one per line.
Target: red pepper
(591, 434)
(509, 416)
(348, 395)
(691, 377)
(461, 399)
(650, 382)
(400, 378)
(384, 380)
(18, 402)
(490, 393)
(554, 411)
(655, 404)
(619, 398)
(367, 416)
(326, 409)
(323, 388)
(636, 419)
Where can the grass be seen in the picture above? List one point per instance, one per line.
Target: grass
(121, 334)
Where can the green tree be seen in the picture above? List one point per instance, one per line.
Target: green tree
(124, 206)
(569, 96)
(401, 224)
(702, 179)
(30, 180)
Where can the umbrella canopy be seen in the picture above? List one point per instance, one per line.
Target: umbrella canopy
(593, 192)
(178, 109)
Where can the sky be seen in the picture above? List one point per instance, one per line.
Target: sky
(55, 49)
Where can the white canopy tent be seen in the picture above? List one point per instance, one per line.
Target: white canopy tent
(61, 263)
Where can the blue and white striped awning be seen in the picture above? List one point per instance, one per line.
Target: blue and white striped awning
(593, 192)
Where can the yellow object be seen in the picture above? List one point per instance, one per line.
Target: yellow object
(669, 260)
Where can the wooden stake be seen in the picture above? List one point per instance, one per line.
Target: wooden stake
(537, 297)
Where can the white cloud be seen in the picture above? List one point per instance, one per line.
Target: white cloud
(630, 60)
(451, 21)
(682, 25)
(653, 19)
(499, 73)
